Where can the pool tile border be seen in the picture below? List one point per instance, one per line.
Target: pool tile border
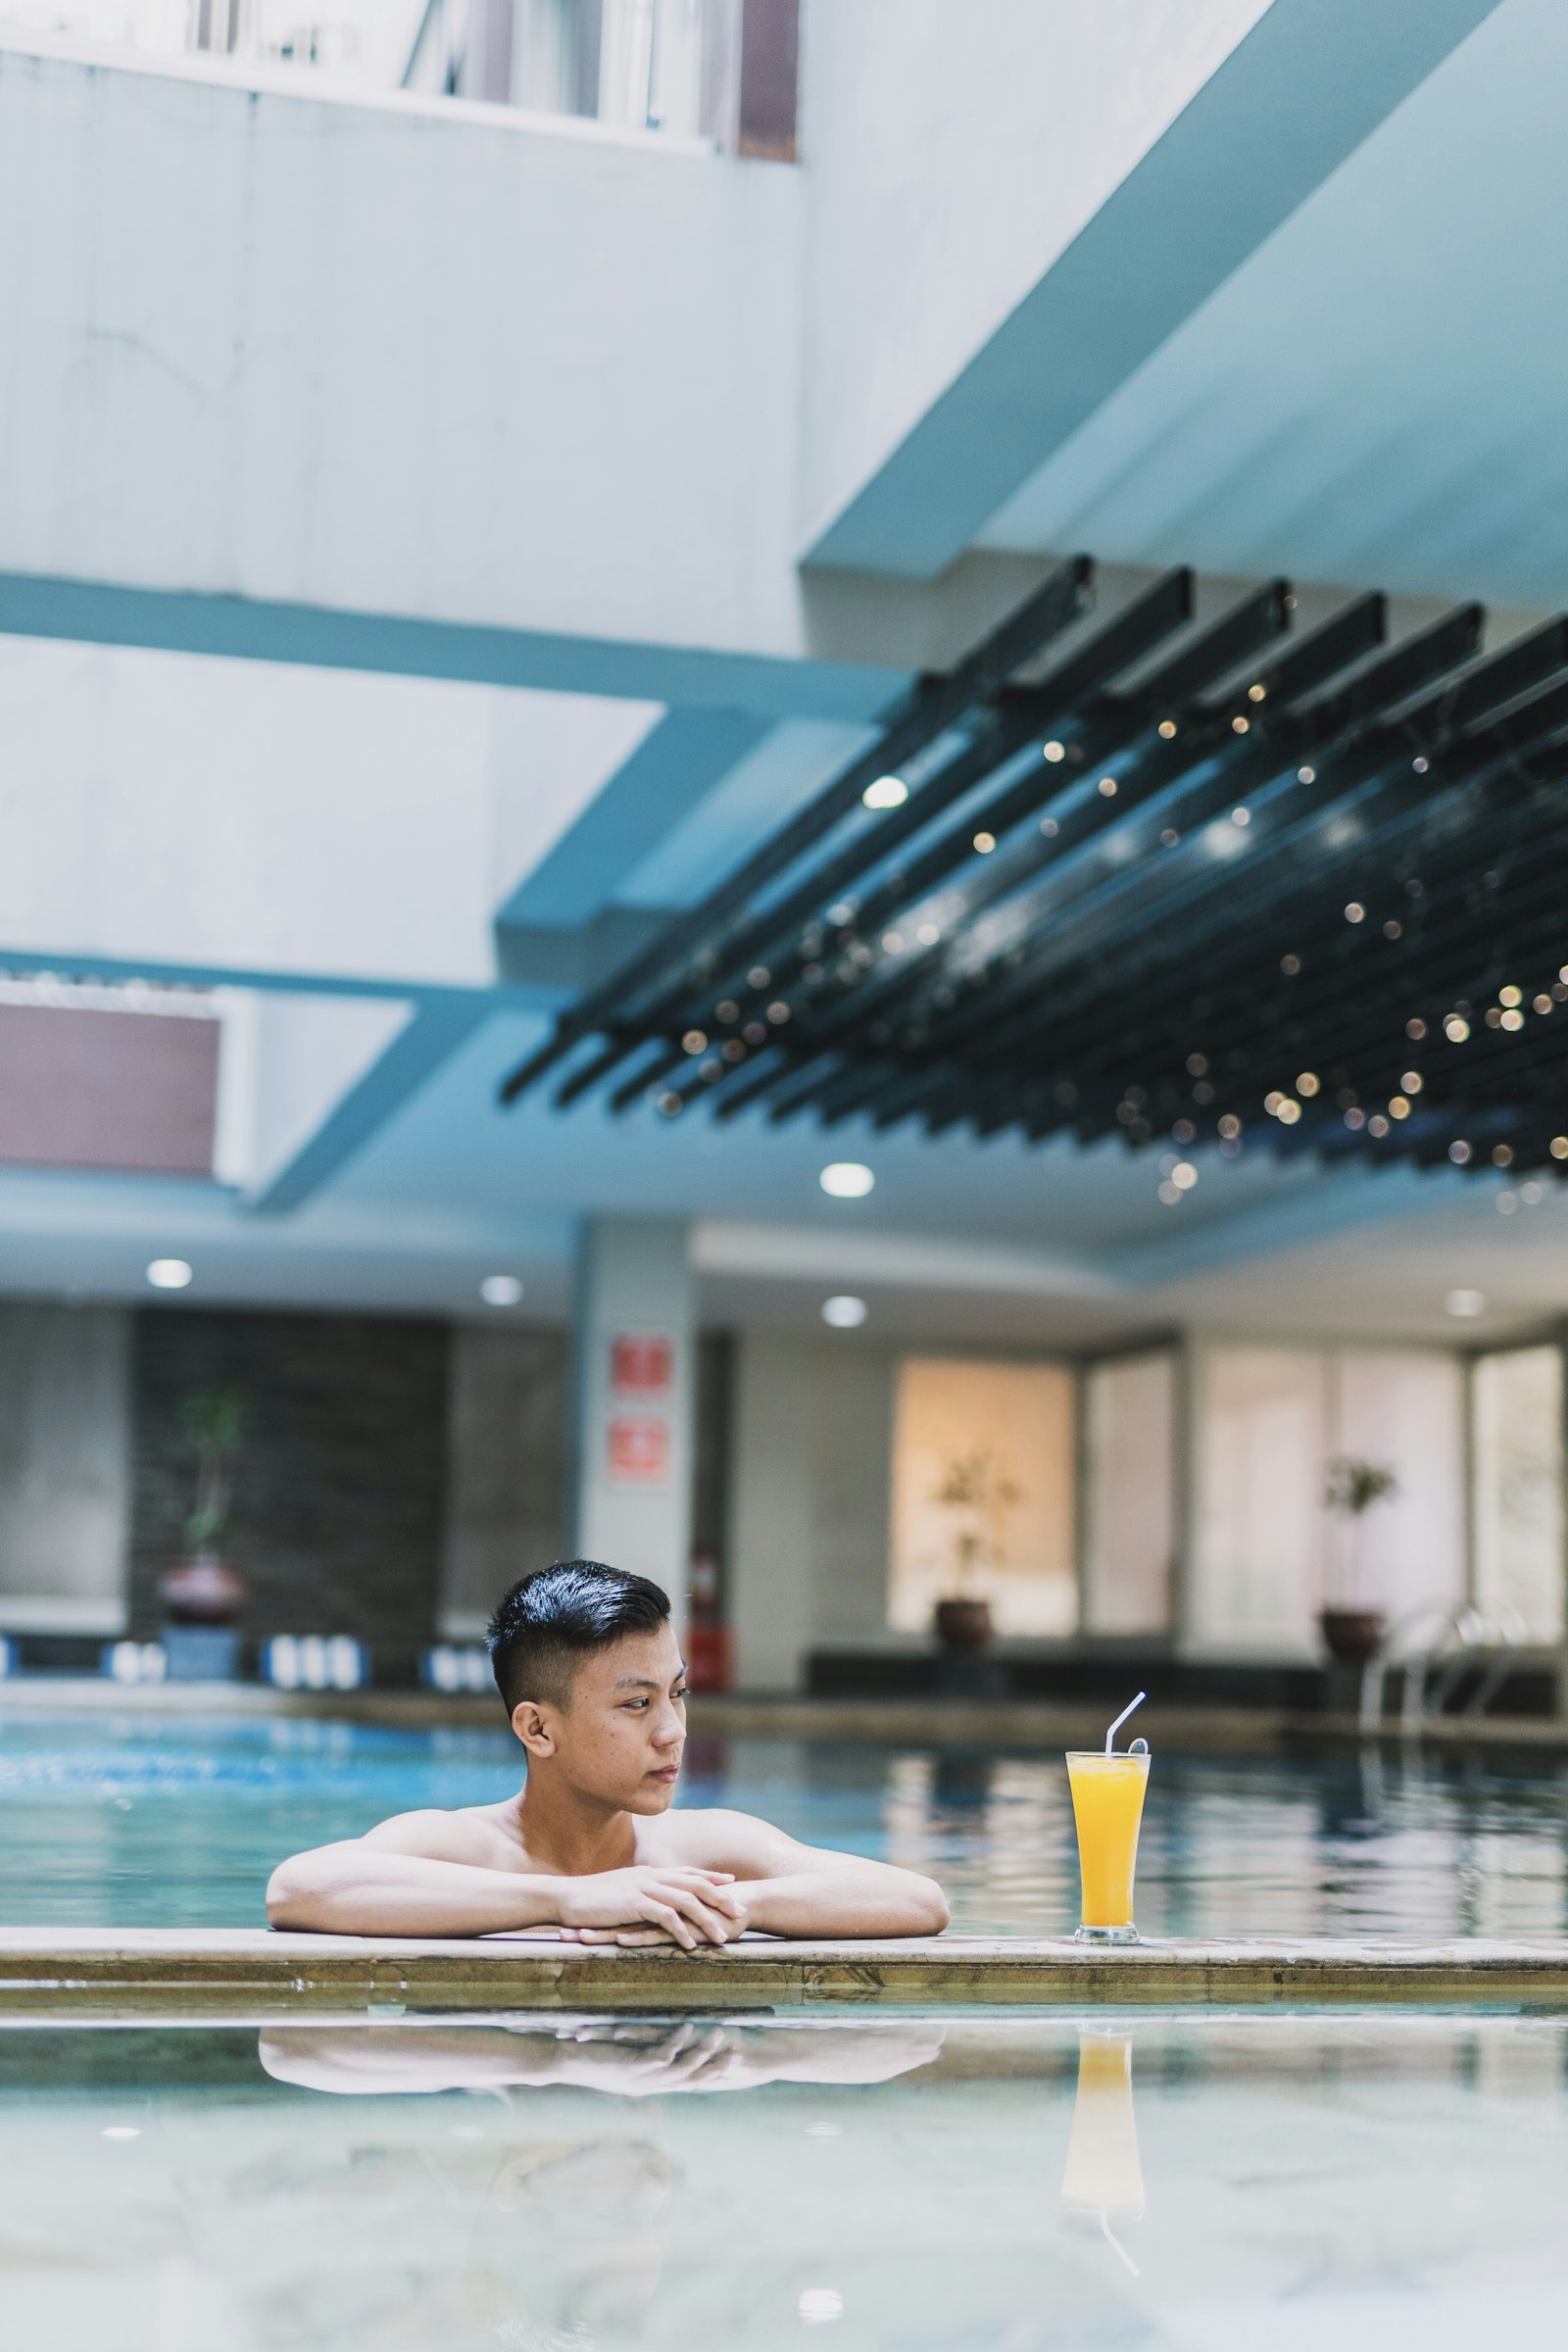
(95, 1975)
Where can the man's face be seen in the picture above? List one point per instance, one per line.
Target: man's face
(622, 1738)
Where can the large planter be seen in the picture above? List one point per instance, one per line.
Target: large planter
(202, 1589)
(1352, 1635)
(963, 1625)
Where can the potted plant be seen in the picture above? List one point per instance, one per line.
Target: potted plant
(981, 1496)
(1352, 1630)
(203, 1595)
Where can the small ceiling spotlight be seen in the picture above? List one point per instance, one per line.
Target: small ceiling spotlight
(501, 1290)
(843, 1313)
(1466, 1305)
(847, 1180)
(169, 1274)
(888, 792)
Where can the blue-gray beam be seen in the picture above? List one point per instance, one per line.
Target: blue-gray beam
(678, 763)
(1298, 94)
(245, 628)
(428, 1039)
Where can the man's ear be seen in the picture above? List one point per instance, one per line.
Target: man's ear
(531, 1725)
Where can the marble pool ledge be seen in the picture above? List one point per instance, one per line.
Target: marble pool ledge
(90, 1975)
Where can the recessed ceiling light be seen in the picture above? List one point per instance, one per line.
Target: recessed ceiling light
(169, 1274)
(501, 1290)
(843, 1313)
(1465, 1303)
(888, 792)
(847, 1179)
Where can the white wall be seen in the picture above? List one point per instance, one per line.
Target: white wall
(399, 358)
(1266, 1554)
(809, 1515)
(1518, 1499)
(950, 157)
(65, 1467)
(1130, 1472)
(272, 819)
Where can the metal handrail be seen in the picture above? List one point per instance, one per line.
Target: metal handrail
(1454, 1639)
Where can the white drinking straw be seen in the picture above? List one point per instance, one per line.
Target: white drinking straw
(1121, 1719)
(1110, 2234)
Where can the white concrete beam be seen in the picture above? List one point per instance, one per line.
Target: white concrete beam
(398, 385)
(1092, 189)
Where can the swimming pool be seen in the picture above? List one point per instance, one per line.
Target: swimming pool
(129, 1820)
(1177, 2182)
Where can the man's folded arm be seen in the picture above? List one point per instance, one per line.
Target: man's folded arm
(361, 1889)
(844, 1895)
(793, 1890)
(420, 1875)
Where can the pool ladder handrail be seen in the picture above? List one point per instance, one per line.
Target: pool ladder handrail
(1452, 1639)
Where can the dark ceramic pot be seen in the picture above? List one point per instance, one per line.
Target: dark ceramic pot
(963, 1624)
(1352, 1635)
(202, 1590)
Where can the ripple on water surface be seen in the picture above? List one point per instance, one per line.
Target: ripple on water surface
(124, 1820)
(1195, 2182)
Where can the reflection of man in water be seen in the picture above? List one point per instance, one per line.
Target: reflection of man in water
(634, 2059)
(591, 1675)
(580, 2246)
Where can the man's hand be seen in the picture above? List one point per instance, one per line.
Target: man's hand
(651, 1905)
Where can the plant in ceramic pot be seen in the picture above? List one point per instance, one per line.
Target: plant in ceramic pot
(981, 1496)
(203, 1595)
(1352, 1627)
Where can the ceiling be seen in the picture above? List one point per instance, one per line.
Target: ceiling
(1375, 398)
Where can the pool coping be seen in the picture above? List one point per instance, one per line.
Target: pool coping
(90, 1975)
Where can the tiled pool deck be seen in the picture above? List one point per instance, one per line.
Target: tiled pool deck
(217, 1974)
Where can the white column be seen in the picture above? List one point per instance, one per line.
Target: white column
(633, 1400)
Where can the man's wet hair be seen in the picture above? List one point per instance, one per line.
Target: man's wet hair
(549, 1622)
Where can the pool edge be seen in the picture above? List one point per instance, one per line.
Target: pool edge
(217, 1974)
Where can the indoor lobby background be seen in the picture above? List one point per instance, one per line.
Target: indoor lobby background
(476, 476)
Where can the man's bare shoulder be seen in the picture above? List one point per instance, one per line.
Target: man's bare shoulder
(484, 1834)
(713, 1837)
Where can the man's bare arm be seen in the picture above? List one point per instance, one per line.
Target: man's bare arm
(788, 1888)
(413, 1876)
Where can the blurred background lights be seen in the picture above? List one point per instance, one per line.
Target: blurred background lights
(888, 792)
(843, 1313)
(847, 1179)
(1466, 1305)
(169, 1274)
(501, 1290)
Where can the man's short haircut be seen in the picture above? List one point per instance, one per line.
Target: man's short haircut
(551, 1621)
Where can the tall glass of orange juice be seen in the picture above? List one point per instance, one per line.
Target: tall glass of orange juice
(1108, 1804)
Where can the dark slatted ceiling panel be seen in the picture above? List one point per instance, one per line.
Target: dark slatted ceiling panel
(1179, 883)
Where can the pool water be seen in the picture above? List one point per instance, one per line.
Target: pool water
(126, 1820)
(1170, 2182)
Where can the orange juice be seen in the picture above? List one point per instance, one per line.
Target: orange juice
(1107, 1803)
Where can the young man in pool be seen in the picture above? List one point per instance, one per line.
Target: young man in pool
(591, 1675)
